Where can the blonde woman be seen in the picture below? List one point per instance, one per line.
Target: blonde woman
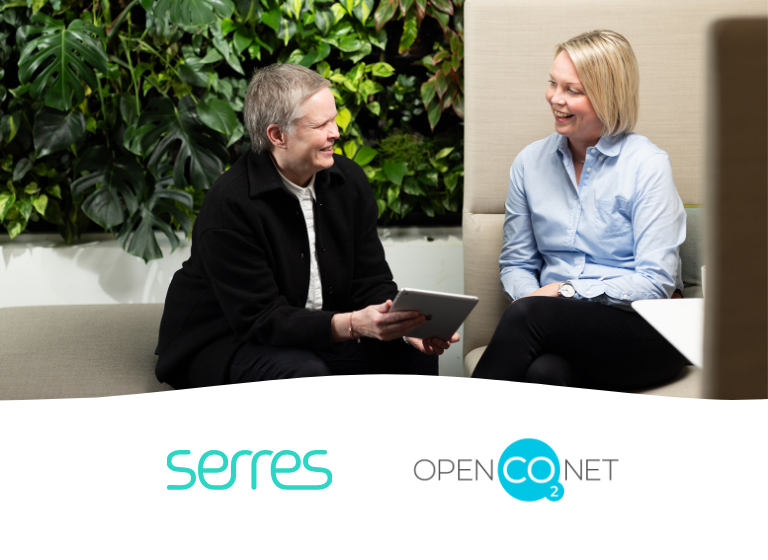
(593, 222)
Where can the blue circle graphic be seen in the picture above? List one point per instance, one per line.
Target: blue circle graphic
(529, 470)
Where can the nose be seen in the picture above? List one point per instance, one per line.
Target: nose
(333, 133)
(555, 96)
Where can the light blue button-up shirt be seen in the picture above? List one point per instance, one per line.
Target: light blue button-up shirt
(614, 235)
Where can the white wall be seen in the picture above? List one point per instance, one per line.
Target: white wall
(43, 270)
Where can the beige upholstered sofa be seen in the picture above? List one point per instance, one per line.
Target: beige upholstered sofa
(509, 48)
(68, 351)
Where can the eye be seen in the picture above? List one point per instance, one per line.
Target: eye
(574, 92)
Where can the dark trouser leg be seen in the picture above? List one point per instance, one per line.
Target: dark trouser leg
(604, 346)
(377, 357)
(261, 363)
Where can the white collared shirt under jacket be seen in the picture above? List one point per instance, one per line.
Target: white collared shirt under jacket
(306, 196)
(614, 234)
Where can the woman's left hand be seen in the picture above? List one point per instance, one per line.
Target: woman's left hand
(549, 290)
(432, 346)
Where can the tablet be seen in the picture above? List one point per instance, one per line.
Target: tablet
(444, 312)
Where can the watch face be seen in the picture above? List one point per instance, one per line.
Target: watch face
(566, 290)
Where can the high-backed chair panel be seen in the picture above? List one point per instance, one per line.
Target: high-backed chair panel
(509, 47)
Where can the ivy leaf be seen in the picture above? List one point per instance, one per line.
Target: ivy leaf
(343, 118)
(6, 201)
(350, 148)
(40, 203)
(272, 19)
(243, 38)
(324, 20)
(362, 10)
(410, 32)
(218, 115)
(411, 186)
(118, 184)
(364, 51)
(202, 151)
(395, 171)
(248, 9)
(73, 51)
(365, 155)
(21, 169)
(378, 39)
(193, 13)
(56, 130)
(381, 70)
(369, 87)
(385, 12)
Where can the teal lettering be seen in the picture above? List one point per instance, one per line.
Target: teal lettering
(328, 475)
(253, 466)
(202, 469)
(174, 468)
(275, 469)
(232, 478)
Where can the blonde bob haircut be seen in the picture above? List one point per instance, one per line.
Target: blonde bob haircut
(274, 96)
(607, 68)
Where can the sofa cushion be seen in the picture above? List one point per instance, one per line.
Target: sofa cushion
(70, 351)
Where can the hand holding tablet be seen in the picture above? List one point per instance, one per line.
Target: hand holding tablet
(444, 312)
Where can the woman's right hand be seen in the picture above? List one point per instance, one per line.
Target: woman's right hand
(375, 321)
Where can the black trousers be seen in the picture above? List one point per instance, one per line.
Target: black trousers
(578, 343)
(260, 363)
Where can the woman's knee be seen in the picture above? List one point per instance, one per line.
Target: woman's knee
(549, 369)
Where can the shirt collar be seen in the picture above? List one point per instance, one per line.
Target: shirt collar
(296, 189)
(263, 176)
(609, 146)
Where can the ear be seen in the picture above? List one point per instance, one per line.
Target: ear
(277, 136)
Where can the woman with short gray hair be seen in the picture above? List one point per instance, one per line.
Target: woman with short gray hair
(287, 276)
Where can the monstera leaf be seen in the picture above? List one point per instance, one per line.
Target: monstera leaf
(193, 13)
(202, 151)
(64, 57)
(118, 184)
(138, 237)
(56, 130)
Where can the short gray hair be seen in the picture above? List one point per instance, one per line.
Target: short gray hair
(274, 97)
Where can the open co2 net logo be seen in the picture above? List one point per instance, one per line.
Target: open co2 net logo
(529, 470)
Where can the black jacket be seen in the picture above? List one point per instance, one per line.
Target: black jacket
(248, 274)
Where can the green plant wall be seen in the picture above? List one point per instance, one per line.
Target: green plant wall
(122, 114)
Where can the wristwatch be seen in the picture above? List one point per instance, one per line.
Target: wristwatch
(565, 289)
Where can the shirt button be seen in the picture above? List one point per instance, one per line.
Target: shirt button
(600, 158)
(625, 296)
(589, 169)
(589, 292)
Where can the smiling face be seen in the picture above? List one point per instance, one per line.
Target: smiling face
(574, 115)
(308, 148)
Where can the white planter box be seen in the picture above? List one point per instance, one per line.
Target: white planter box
(40, 269)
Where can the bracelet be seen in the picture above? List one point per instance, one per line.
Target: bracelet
(351, 334)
